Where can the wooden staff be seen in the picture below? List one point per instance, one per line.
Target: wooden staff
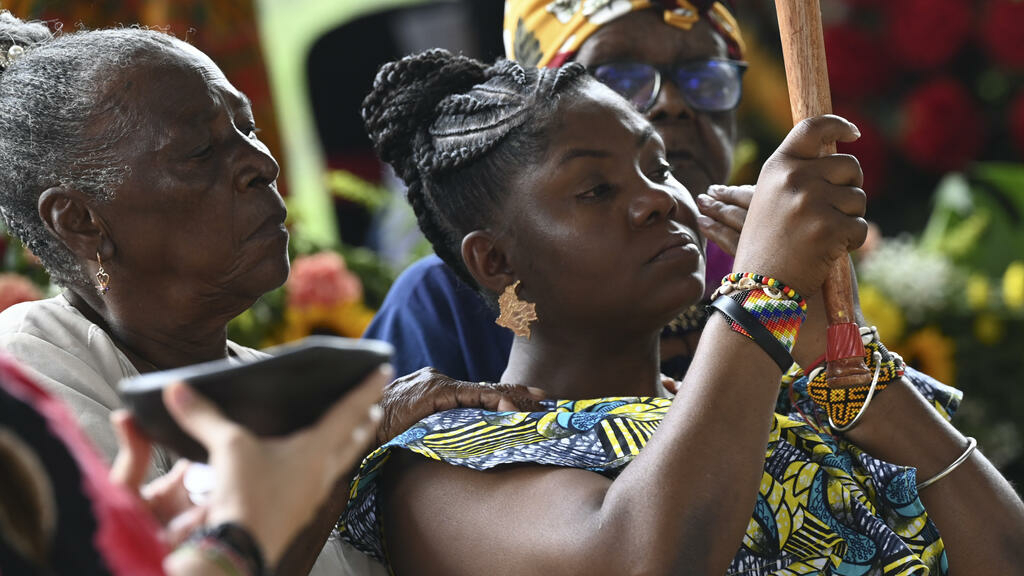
(803, 50)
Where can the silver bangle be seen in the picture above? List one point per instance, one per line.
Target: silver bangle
(971, 445)
(877, 358)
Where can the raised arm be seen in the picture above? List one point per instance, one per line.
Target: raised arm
(979, 515)
(683, 504)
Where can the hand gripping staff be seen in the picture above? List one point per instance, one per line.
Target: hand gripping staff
(803, 50)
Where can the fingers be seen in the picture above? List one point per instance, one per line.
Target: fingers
(166, 496)
(841, 170)
(341, 423)
(722, 212)
(727, 238)
(500, 397)
(670, 384)
(809, 138)
(857, 233)
(181, 526)
(849, 200)
(412, 397)
(845, 219)
(345, 450)
(733, 195)
(132, 461)
(198, 416)
(409, 401)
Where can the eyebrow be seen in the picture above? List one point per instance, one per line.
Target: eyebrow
(645, 135)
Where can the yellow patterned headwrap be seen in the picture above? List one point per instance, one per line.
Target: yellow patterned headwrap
(547, 33)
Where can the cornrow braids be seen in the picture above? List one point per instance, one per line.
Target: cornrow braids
(456, 131)
(61, 124)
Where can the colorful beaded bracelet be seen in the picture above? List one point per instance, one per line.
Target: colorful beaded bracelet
(764, 313)
(743, 281)
(229, 546)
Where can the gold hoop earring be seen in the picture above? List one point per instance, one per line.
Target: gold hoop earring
(102, 278)
(516, 314)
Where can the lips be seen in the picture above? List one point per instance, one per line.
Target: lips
(679, 244)
(271, 226)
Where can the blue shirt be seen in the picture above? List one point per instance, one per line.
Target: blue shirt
(434, 319)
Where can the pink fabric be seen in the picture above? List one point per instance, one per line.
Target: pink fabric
(126, 534)
(719, 263)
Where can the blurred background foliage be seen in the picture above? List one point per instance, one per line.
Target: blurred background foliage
(935, 86)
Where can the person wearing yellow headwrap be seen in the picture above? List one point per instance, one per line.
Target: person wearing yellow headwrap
(548, 33)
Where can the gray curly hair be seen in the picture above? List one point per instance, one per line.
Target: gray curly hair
(61, 124)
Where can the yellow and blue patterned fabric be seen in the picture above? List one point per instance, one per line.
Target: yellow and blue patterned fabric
(824, 506)
(548, 33)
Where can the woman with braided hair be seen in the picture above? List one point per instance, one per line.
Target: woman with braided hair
(681, 65)
(132, 168)
(549, 189)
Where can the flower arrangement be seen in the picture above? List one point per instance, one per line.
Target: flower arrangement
(951, 301)
(323, 295)
(933, 86)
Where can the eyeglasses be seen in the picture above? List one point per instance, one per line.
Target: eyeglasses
(706, 85)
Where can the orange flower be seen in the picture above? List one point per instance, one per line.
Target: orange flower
(349, 319)
(930, 351)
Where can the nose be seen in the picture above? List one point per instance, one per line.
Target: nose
(257, 167)
(652, 204)
(670, 103)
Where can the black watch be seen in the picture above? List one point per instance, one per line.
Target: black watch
(239, 540)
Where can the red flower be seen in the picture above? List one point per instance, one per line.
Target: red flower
(1016, 114)
(866, 3)
(925, 34)
(857, 67)
(943, 128)
(322, 279)
(15, 289)
(870, 150)
(1001, 27)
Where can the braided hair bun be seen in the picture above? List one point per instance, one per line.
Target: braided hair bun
(404, 102)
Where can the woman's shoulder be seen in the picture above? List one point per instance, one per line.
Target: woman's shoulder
(68, 354)
(45, 327)
(40, 316)
(54, 327)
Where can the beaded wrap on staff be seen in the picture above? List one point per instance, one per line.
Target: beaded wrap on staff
(845, 405)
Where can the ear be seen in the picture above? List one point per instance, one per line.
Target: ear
(487, 261)
(68, 215)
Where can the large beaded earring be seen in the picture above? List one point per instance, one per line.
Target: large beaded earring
(515, 314)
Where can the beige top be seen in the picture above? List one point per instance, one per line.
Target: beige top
(78, 362)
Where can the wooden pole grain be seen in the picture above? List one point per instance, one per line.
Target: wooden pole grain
(803, 49)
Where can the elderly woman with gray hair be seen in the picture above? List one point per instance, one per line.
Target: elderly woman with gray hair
(133, 170)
